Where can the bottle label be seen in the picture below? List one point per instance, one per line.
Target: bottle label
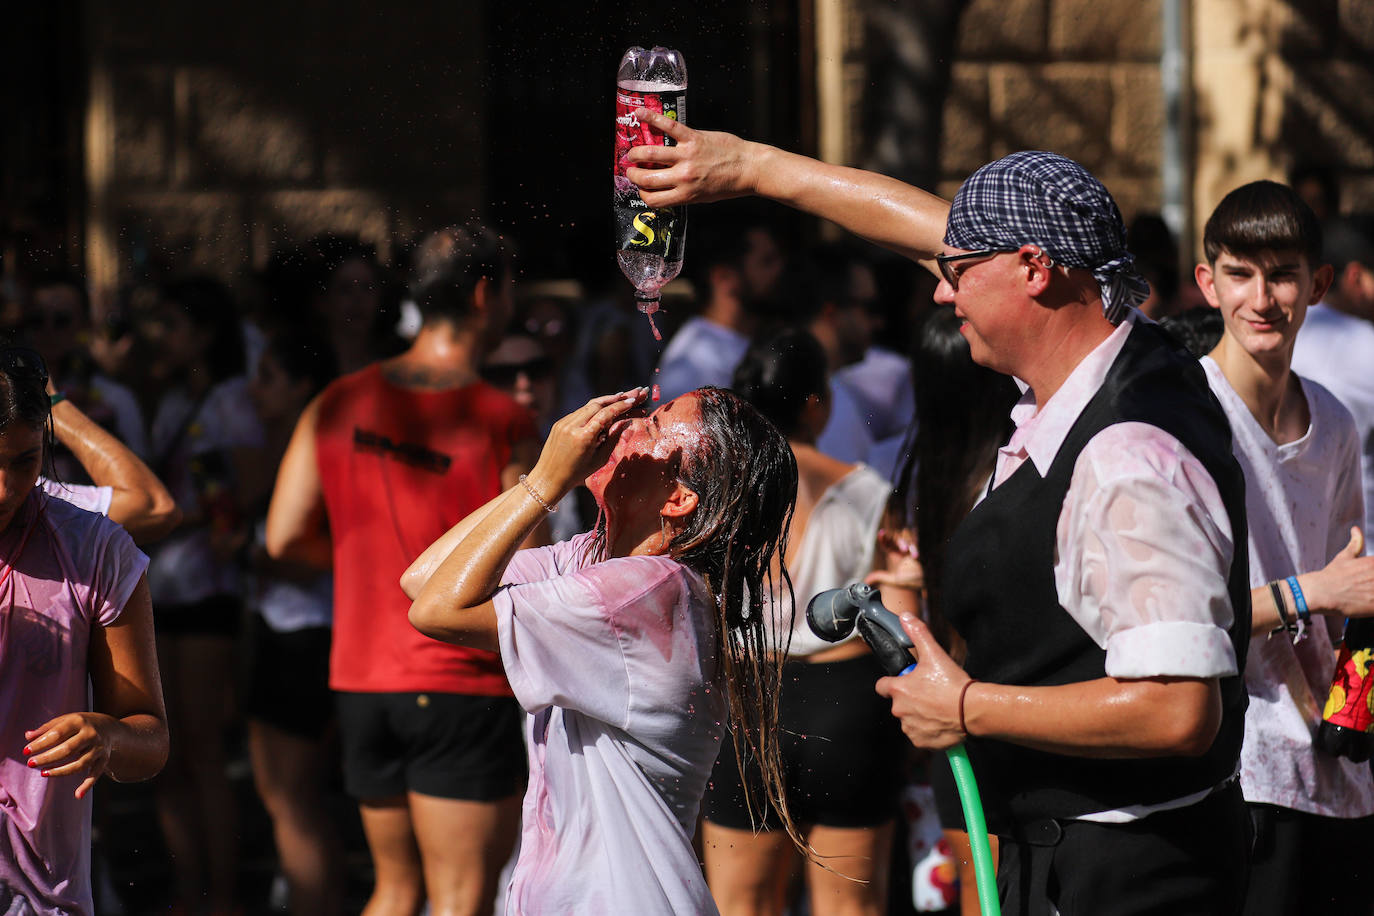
(1348, 704)
(638, 227)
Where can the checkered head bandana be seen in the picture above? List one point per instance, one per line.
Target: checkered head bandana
(1044, 199)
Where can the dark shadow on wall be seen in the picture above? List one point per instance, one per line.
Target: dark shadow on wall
(1328, 112)
(908, 52)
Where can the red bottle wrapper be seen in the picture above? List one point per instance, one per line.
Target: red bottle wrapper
(630, 131)
(1348, 704)
(639, 228)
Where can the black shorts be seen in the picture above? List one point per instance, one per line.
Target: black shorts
(447, 745)
(842, 752)
(287, 682)
(218, 615)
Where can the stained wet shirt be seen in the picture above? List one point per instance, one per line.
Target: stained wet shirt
(615, 663)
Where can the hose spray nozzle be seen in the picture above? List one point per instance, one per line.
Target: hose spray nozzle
(835, 613)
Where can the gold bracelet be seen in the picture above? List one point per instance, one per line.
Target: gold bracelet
(537, 498)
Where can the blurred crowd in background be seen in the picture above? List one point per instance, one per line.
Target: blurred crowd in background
(205, 384)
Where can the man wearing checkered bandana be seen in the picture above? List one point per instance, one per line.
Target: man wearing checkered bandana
(1098, 583)
(1054, 203)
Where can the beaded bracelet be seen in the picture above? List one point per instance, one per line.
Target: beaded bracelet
(537, 498)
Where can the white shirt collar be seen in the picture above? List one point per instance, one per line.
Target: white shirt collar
(1041, 430)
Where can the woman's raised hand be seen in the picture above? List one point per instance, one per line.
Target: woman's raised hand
(582, 441)
(703, 166)
(73, 744)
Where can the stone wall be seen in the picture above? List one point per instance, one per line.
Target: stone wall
(212, 138)
(1079, 77)
(1274, 84)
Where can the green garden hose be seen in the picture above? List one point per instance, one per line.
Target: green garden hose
(985, 873)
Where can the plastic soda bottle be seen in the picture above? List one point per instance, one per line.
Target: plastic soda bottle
(649, 241)
(1348, 720)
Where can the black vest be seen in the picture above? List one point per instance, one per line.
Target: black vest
(1001, 597)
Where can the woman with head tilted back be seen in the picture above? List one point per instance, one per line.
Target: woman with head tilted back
(79, 691)
(841, 749)
(631, 646)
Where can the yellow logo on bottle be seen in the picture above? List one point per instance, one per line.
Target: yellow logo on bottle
(642, 226)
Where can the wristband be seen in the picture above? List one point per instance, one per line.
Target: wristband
(963, 726)
(55, 398)
(1300, 602)
(1281, 606)
(537, 498)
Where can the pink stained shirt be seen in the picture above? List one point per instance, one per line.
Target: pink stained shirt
(76, 571)
(615, 662)
(1143, 543)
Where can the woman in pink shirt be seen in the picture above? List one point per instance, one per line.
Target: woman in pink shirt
(74, 614)
(631, 646)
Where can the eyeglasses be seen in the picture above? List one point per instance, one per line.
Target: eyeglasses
(951, 275)
(21, 362)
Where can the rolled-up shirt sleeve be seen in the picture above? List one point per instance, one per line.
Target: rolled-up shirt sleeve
(1144, 549)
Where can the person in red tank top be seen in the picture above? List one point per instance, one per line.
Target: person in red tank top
(384, 461)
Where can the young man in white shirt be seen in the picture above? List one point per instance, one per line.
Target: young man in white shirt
(1300, 453)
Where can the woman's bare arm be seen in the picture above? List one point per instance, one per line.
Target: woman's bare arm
(454, 603)
(139, 501)
(414, 578)
(418, 573)
(296, 527)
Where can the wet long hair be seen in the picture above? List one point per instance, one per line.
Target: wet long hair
(745, 479)
(962, 418)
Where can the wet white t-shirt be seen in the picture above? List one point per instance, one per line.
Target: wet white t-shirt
(83, 496)
(615, 663)
(1301, 499)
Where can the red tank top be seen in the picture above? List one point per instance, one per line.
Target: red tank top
(399, 467)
